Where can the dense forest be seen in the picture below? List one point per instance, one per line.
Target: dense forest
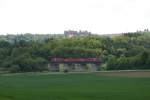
(123, 52)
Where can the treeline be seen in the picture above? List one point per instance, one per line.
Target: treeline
(130, 51)
(11, 38)
(127, 51)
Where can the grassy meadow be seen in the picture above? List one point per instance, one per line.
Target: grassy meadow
(87, 86)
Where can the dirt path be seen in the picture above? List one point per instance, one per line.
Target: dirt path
(126, 73)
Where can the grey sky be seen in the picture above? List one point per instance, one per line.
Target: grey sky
(55, 16)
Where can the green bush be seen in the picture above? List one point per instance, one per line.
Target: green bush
(14, 68)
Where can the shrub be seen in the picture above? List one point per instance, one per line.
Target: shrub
(65, 70)
(14, 69)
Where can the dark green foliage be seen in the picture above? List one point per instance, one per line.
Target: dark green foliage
(14, 68)
(66, 71)
(144, 57)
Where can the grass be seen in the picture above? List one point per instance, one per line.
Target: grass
(89, 86)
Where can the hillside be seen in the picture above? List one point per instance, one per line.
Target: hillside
(33, 52)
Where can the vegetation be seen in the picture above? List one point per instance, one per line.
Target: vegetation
(73, 87)
(127, 51)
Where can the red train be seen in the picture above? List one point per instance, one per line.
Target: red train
(75, 60)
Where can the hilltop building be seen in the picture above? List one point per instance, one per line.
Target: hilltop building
(72, 33)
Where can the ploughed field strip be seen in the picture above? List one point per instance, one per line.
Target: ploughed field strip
(88, 86)
(134, 74)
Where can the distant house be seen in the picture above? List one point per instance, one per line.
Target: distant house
(75, 64)
(84, 33)
(72, 33)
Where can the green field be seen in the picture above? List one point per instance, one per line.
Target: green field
(90, 86)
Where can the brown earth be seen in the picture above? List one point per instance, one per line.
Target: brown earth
(126, 73)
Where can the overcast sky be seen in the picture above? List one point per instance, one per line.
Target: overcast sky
(55, 16)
